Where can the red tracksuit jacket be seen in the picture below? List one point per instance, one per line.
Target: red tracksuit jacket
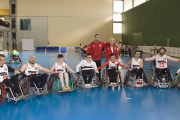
(108, 52)
(95, 49)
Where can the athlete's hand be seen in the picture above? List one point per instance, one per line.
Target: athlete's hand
(130, 69)
(95, 71)
(78, 73)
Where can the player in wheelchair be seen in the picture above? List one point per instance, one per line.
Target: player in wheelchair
(87, 78)
(62, 81)
(14, 57)
(161, 75)
(111, 76)
(36, 81)
(177, 79)
(121, 50)
(135, 77)
(10, 87)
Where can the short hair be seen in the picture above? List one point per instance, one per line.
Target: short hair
(2, 55)
(89, 54)
(162, 48)
(111, 38)
(60, 56)
(96, 35)
(112, 54)
(137, 51)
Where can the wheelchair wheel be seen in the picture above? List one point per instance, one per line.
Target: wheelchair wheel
(79, 82)
(145, 79)
(119, 79)
(126, 78)
(25, 82)
(72, 82)
(2, 92)
(177, 80)
(151, 77)
(51, 81)
(104, 77)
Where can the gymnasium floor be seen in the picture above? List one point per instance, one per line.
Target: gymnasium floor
(95, 104)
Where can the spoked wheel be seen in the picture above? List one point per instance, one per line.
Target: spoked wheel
(2, 92)
(145, 79)
(25, 82)
(126, 78)
(151, 77)
(51, 81)
(104, 77)
(119, 78)
(72, 82)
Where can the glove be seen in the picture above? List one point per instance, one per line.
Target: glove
(24, 75)
(78, 73)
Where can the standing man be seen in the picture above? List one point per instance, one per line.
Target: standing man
(95, 48)
(111, 48)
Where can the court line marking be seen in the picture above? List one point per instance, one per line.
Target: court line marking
(25, 61)
(128, 98)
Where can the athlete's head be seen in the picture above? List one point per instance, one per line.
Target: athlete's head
(60, 58)
(137, 54)
(89, 57)
(2, 59)
(111, 41)
(96, 37)
(162, 51)
(32, 59)
(112, 57)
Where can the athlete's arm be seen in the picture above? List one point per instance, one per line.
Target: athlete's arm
(69, 68)
(122, 65)
(149, 59)
(107, 63)
(23, 67)
(45, 69)
(127, 63)
(53, 67)
(141, 64)
(173, 59)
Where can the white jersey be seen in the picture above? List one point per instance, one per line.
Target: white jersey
(161, 61)
(135, 64)
(30, 70)
(4, 73)
(60, 68)
(86, 65)
(113, 65)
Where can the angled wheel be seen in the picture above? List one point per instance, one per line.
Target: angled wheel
(2, 92)
(51, 81)
(72, 82)
(126, 78)
(25, 82)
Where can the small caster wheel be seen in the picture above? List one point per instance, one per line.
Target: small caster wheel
(39, 96)
(169, 87)
(157, 86)
(23, 100)
(15, 103)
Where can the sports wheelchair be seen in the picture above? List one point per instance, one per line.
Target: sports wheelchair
(106, 81)
(162, 80)
(177, 81)
(130, 80)
(30, 87)
(16, 59)
(94, 83)
(55, 84)
(6, 92)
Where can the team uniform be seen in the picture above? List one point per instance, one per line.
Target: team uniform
(135, 68)
(4, 78)
(60, 68)
(112, 67)
(108, 50)
(87, 69)
(32, 72)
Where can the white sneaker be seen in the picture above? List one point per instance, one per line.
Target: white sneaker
(89, 85)
(114, 83)
(111, 83)
(86, 85)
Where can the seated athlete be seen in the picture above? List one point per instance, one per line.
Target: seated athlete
(121, 50)
(113, 66)
(87, 66)
(60, 67)
(4, 77)
(161, 60)
(31, 69)
(14, 54)
(136, 65)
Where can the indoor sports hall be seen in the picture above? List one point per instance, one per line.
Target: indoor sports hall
(55, 38)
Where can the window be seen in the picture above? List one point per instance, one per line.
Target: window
(13, 9)
(13, 36)
(13, 23)
(25, 24)
(138, 2)
(117, 16)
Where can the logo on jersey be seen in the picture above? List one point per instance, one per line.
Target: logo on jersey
(164, 58)
(100, 45)
(93, 45)
(36, 68)
(5, 69)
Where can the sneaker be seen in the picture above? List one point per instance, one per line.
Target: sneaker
(111, 83)
(41, 90)
(63, 88)
(86, 85)
(68, 88)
